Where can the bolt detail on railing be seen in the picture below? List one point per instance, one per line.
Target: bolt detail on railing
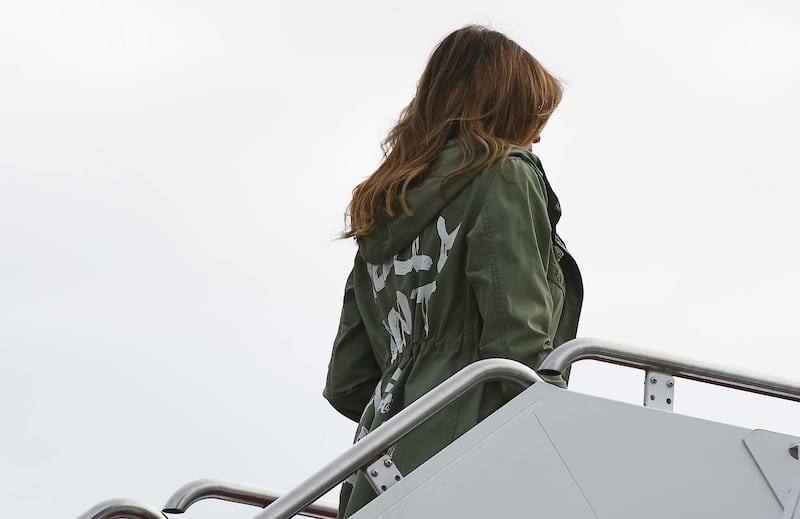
(383, 474)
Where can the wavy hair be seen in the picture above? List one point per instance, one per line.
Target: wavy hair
(479, 88)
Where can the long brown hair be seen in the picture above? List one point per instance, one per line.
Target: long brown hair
(479, 88)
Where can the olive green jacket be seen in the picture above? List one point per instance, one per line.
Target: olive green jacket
(477, 272)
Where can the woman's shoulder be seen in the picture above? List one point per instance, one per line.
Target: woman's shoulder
(525, 160)
(520, 166)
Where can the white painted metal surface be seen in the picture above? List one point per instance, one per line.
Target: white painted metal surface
(556, 453)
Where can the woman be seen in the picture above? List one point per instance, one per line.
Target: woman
(458, 256)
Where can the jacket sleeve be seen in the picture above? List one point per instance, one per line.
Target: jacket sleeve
(353, 372)
(507, 262)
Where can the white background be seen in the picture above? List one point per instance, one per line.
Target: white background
(173, 176)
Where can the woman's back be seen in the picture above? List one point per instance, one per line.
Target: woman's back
(470, 275)
(458, 257)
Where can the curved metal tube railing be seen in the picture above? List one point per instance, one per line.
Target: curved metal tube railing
(373, 445)
(199, 489)
(119, 508)
(604, 351)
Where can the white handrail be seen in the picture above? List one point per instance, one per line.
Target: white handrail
(604, 351)
(375, 443)
(199, 489)
(122, 508)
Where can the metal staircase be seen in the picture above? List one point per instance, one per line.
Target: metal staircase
(552, 451)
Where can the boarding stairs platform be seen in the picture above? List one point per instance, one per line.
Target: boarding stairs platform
(552, 452)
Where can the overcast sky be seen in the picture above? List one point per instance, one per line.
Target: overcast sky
(173, 176)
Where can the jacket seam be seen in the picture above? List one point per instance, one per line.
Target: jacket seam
(490, 248)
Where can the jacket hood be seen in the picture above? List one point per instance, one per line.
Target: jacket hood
(427, 199)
